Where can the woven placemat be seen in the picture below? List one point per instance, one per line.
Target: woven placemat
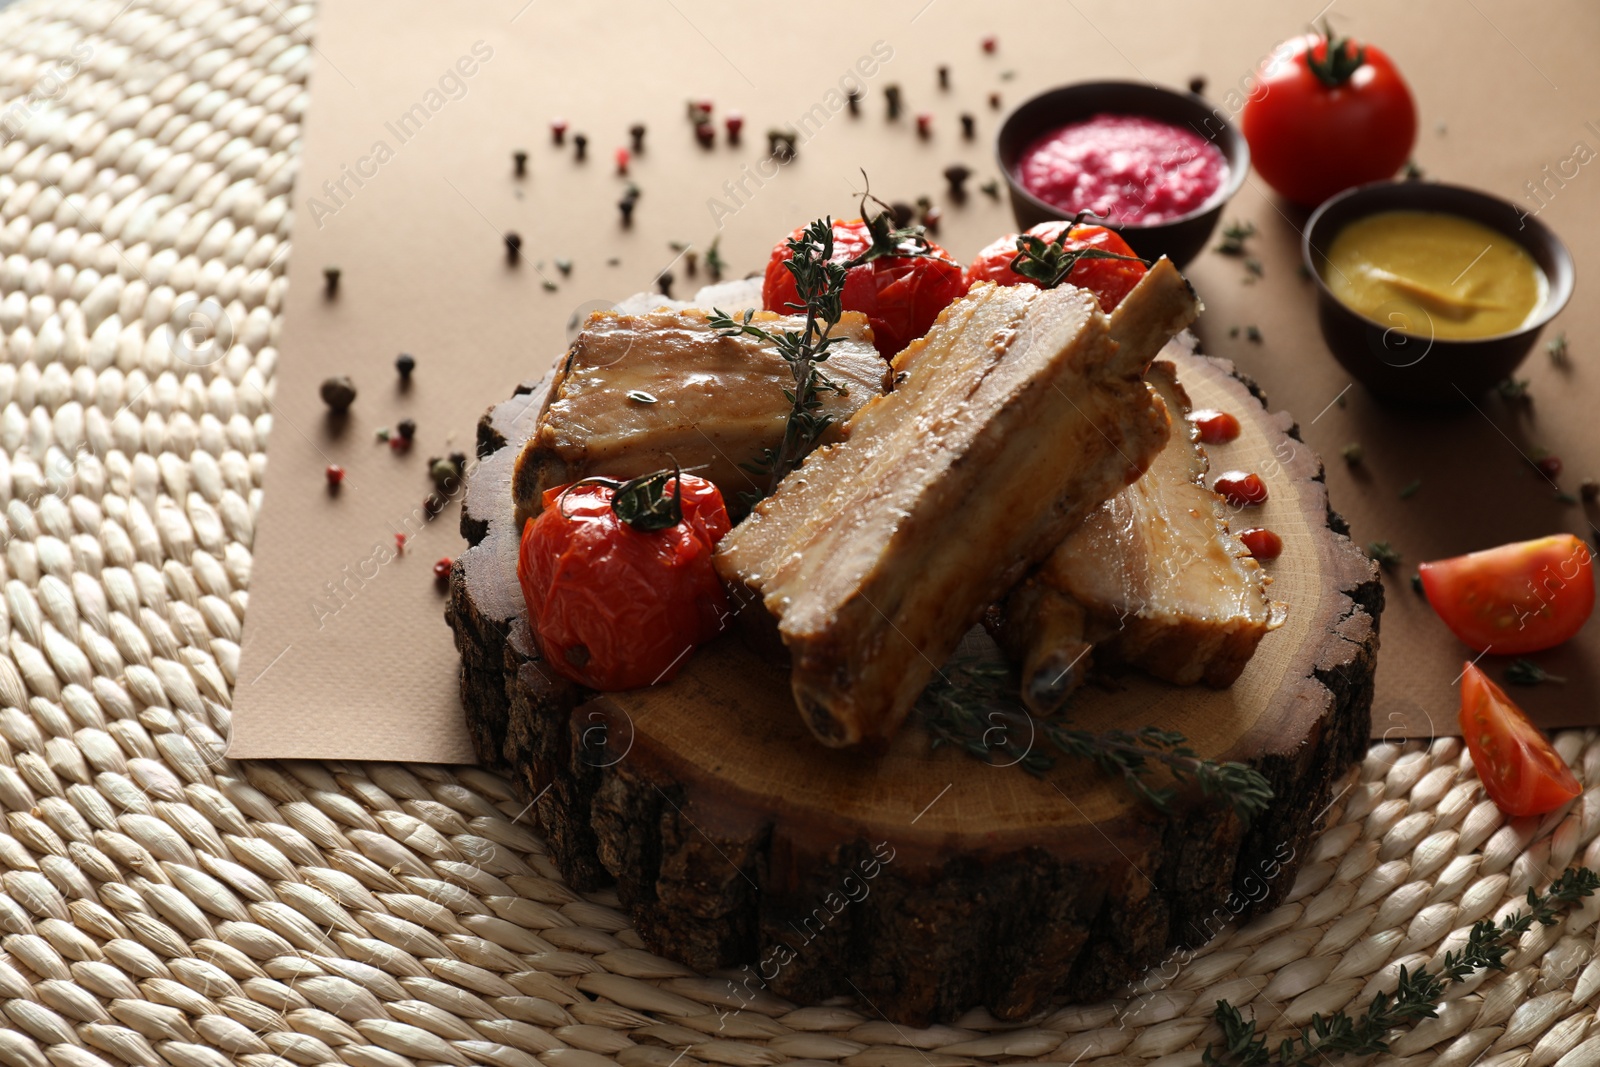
(162, 905)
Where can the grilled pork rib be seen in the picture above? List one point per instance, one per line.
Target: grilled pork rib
(638, 392)
(1009, 422)
(1152, 579)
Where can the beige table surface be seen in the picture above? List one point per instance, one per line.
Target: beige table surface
(346, 653)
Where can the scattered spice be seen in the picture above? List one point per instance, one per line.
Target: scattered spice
(715, 264)
(432, 505)
(513, 248)
(1547, 464)
(1234, 235)
(548, 286)
(565, 267)
(407, 429)
(891, 95)
(381, 434)
(398, 443)
(1254, 267)
(969, 126)
(636, 135)
(441, 569)
(1556, 348)
(447, 472)
(335, 475)
(956, 175)
(705, 134)
(853, 100)
(1384, 555)
(338, 393)
(930, 215)
(664, 283)
(330, 281)
(780, 145)
(404, 364)
(1416, 584)
(1197, 85)
(1411, 172)
(625, 205)
(1513, 390)
(991, 188)
(901, 213)
(1410, 489)
(691, 262)
(989, 44)
(1589, 489)
(400, 543)
(924, 124)
(519, 163)
(994, 101)
(734, 124)
(623, 156)
(1352, 453)
(1252, 333)
(944, 76)
(1527, 672)
(580, 147)
(558, 131)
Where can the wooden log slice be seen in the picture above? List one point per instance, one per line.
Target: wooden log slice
(923, 883)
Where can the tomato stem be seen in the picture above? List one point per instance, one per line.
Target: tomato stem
(1341, 58)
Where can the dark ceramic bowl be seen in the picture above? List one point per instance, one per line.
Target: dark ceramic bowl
(1180, 239)
(1401, 362)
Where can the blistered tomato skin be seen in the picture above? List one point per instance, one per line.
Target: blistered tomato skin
(1262, 543)
(1216, 427)
(899, 295)
(618, 608)
(1108, 279)
(1241, 489)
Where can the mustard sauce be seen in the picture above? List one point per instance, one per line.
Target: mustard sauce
(1434, 274)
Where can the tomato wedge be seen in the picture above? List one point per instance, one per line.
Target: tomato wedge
(1521, 771)
(1518, 598)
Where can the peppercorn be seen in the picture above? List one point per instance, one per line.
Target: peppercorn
(405, 363)
(1197, 85)
(994, 101)
(853, 100)
(969, 126)
(780, 145)
(734, 123)
(636, 132)
(705, 134)
(700, 110)
(891, 94)
(991, 189)
(623, 155)
(519, 161)
(957, 174)
(989, 44)
(335, 475)
(924, 124)
(625, 205)
(330, 281)
(338, 393)
(445, 472)
(691, 262)
(513, 247)
(558, 132)
(400, 543)
(407, 428)
(664, 283)
(565, 267)
(432, 505)
(902, 213)
(930, 217)
(1549, 466)
(944, 76)
(441, 569)
(398, 443)
(1589, 489)
(580, 147)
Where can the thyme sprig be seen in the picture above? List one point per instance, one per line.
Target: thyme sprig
(973, 706)
(1416, 996)
(1527, 672)
(1047, 263)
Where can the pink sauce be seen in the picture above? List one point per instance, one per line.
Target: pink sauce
(1126, 168)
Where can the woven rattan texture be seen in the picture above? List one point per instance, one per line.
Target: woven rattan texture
(161, 905)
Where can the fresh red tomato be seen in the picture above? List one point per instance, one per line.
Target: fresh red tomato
(899, 295)
(1262, 543)
(1216, 427)
(615, 606)
(1522, 773)
(1518, 598)
(1330, 114)
(1241, 489)
(1108, 279)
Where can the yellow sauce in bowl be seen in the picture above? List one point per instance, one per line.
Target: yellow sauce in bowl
(1434, 274)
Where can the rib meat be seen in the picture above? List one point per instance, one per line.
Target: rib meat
(1009, 422)
(1152, 579)
(637, 393)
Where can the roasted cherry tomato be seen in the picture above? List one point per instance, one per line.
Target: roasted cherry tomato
(899, 295)
(1216, 427)
(1517, 598)
(1241, 489)
(1262, 543)
(618, 604)
(1108, 279)
(1329, 114)
(1522, 773)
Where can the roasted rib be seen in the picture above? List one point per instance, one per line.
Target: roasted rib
(1012, 419)
(638, 392)
(1152, 579)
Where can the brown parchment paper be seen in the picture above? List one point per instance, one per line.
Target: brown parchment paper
(405, 183)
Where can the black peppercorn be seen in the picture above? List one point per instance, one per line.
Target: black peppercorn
(891, 94)
(994, 101)
(625, 205)
(1197, 85)
(513, 247)
(969, 126)
(664, 283)
(565, 267)
(691, 263)
(853, 99)
(405, 363)
(330, 281)
(636, 131)
(580, 146)
(902, 213)
(957, 174)
(519, 160)
(944, 77)
(338, 393)
(407, 429)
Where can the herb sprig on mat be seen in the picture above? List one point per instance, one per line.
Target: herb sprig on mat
(973, 707)
(1416, 997)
